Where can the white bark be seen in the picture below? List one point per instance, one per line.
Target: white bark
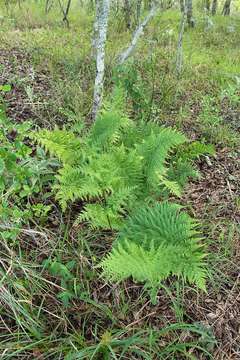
(95, 29)
(179, 60)
(101, 25)
(127, 53)
(139, 6)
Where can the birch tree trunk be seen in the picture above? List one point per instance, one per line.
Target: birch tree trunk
(226, 8)
(182, 7)
(127, 13)
(102, 15)
(214, 7)
(65, 11)
(138, 11)
(179, 58)
(207, 5)
(190, 18)
(127, 53)
(95, 30)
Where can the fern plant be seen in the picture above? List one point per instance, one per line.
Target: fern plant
(155, 243)
(105, 168)
(120, 169)
(113, 167)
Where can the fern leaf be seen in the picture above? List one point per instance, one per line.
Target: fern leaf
(162, 223)
(181, 171)
(99, 217)
(155, 150)
(107, 128)
(172, 186)
(61, 143)
(156, 243)
(194, 150)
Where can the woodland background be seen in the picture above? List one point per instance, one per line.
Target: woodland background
(112, 112)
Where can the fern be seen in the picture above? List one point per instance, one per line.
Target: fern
(99, 216)
(194, 150)
(111, 122)
(119, 170)
(155, 149)
(154, 244)
(172, 186)
(117, 165)
(61, 143)
(110, 213)
(107, 129)
(182, 167)
(164, 223)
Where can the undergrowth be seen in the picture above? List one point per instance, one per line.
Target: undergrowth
(119, 166)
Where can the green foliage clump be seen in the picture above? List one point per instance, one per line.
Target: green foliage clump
(154, 243)
(182, 165)
(113, 167)
(121, 169)
(69, 288)
(22, 177)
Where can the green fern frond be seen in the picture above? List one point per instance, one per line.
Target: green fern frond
(138, 132)
(122, 200)
(100, 217)
(181, 165)
(107, 128)
(194, 150)
(172, 186)
(111, 122)
(181, 171)
(61, 143)
(129, 165)
(163, 223)
(157, 243)
(155, 150)
(74, 185)
(116, 102)
(154, 265)
(109, 214)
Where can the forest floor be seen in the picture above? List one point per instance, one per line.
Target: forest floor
(204, 325)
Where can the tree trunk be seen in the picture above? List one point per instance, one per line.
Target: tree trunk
(207, 5)
(138, 11)
(65, 17)
(95, 30)
(190, 19)
(214, 7)
(48, 6)
(226, 8)
(179, 58)
(182, 7)
(127, 13)
(126, 53)
(102, 14)
(65, 11)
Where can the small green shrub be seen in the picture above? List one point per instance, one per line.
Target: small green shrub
(69, 287)
(23, 176)
(211, 122)
(117, 165)
(121, 169)
(231, 93)
(154, 243)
